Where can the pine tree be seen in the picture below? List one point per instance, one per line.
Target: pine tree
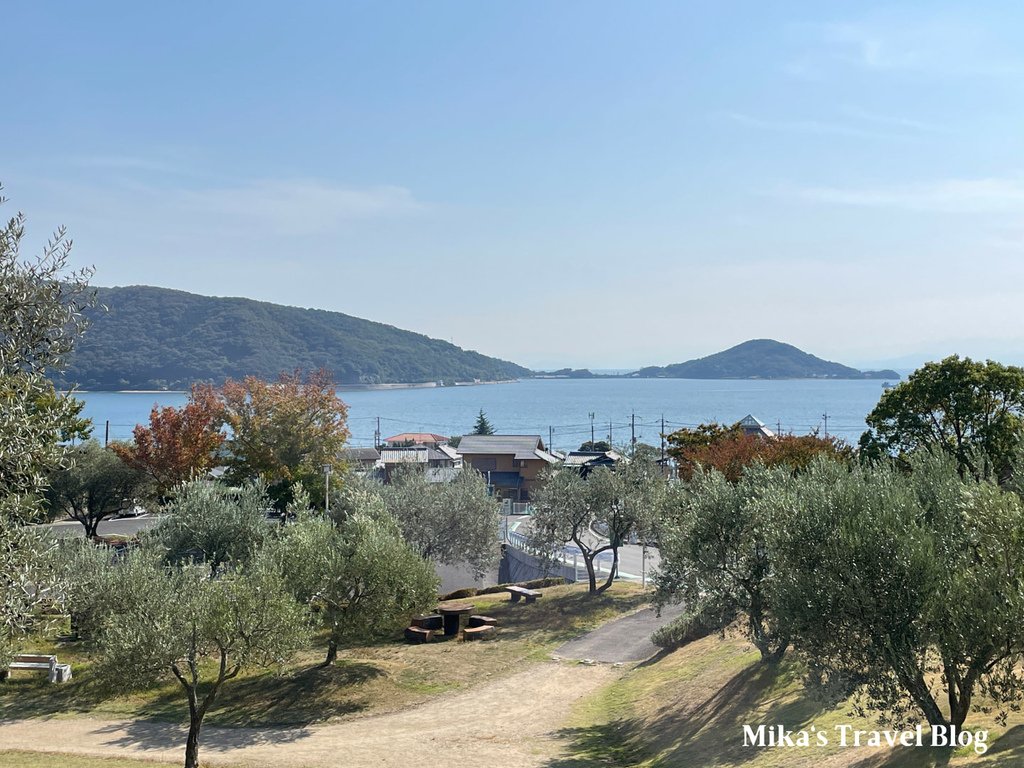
(483, 426)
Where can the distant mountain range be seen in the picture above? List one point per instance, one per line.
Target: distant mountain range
(143, 337)
(761, 359)
(156, 338)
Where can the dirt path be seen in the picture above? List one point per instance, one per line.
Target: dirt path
(472, 727)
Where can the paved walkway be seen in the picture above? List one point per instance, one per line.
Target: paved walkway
(622, 640)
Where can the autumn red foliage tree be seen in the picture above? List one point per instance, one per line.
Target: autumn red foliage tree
(730, 451)
(285, 432)
(179, 444)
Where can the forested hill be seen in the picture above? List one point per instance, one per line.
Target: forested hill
(761, 359)
(155, 338)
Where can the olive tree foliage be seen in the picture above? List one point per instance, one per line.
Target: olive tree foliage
(454, 522)
(358, 575)
(715, 555)
(972, 411)
(212, 523)
(598, 513)
(179, 624)
(94, 485)
(908, 589)
(41, 303)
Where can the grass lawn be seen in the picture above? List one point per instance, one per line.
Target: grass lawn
(367, 679)
(687, 708)
(17, 759)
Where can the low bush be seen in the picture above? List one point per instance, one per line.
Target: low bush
(460, 594)
(689, 627)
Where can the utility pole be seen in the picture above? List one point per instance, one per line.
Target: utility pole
(778, 428)
(106, 434)
(663, 437)
(591, 429)
(632, 432)
(327, 488)
(551, 438)
(609, 433)
(376, 435)
(825, 417)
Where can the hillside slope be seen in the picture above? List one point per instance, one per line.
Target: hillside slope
(156, 338)
(761, 359)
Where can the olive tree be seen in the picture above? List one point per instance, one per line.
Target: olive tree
(182, 625)
(906, 587)
(597, 513)
(453, 522)
(358, 575)
(41, 303)
(715, 555)
(212, 523)
(94, 485)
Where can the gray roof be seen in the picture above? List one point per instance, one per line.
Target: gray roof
(360, 454)
(519, 446)
(582, 458)
(752, 425)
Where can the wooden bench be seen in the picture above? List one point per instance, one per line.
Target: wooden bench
(32, 662)
(428, 621)
(481, 621)
(481, 632)
(522, 592)
(418, 634)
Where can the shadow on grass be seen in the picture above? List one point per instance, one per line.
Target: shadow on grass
(1005, 752)
(299, 698)
(707, 732)
(303, 697)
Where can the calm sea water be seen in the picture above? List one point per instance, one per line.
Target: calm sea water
(563, 405)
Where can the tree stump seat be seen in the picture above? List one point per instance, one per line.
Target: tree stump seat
(418, 634)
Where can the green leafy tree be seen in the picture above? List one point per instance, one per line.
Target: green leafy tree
(359, 576)
(970, 410)
(907, 588)
(619, 504)
(201, 632)
(214, 524)
(715, 558)
(482, 425)
(285, 432)
(596, 445)
(94, 486)
(41, 303)
(454, 522)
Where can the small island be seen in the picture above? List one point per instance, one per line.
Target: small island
(760, 359)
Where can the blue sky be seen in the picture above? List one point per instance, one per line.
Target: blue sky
(556, 183)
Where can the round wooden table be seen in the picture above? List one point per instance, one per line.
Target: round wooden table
(452, 616)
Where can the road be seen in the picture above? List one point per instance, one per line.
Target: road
(634, 563)
(124, 526)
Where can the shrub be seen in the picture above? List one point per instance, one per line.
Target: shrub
(459, 594)
(689, 627)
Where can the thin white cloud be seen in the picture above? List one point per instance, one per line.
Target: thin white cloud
(891, 121)
(300, 206)
(992, 195)
(899, 43)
